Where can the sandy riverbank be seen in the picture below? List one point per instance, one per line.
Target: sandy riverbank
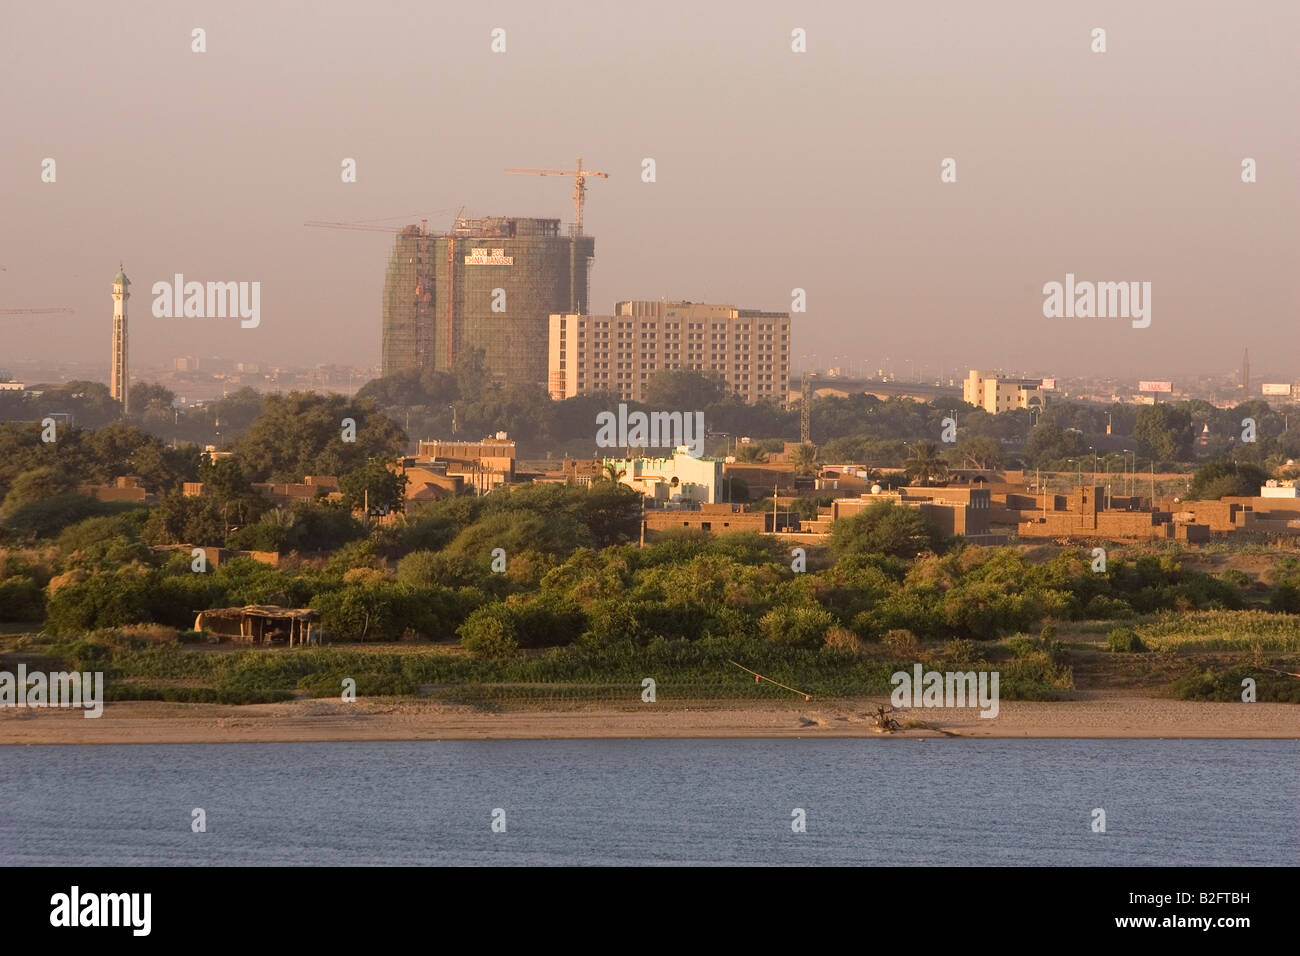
(147, 722)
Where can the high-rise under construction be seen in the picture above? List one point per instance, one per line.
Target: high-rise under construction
(489, 284)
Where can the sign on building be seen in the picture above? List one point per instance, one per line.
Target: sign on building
(1276, 388)
(488, 257)
(1155, 386)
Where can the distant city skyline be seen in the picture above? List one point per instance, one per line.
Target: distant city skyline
(774, 171)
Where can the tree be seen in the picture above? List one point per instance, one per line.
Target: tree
(39, 484)
(411, 388)
(610, 472)
(303, 433)
(90, 403)
(1166, 430)
(164, 469)
(518, 409)
(980, 452)
(611, 512)
(224, 479)
(152, 403)
(517, 532)
(885, 528)
(751, 453)
(804, 458)
(196, 520)
(1223, 478)
(235, 414)
(435, 569)
(377, 484)
(1050, 442)
(925, 464)
(683, 390)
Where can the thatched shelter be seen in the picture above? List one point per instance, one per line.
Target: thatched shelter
(261, 624)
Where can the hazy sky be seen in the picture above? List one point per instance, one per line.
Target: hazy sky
(775, 169)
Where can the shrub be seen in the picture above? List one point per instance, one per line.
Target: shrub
(1104, 607)
(21, 599)
(1226, 686)
(143, 634)
(491, 632)
(1285, 599)
(844, 640)
(902, 644)
(1021, 645)
(547, 622)
(1235, 577)
(959, 650)
(864, 625)
(102, 600)
(442, 570)
(796, 626)
(1125, 640)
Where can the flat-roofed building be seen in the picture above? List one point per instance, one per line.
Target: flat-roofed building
(747, 349)
(716, 519)
(996, 393)
(954, 511)
(479, 465)
(682, 480)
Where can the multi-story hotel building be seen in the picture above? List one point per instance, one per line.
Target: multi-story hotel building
(747, 349)
(996, 393)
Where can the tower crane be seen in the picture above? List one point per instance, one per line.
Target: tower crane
(579, 175)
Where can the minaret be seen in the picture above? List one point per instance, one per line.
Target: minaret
(118, 377)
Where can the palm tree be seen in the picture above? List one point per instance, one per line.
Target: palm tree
(925, 463)
(804, 459)
(612, 473)
(751, 454)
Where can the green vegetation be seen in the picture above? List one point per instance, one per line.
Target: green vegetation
(578, 602)
(1227, 685)
(1125, 640)
(1223, 631)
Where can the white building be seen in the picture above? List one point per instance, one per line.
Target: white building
(681, 479)
(997, 393)
(1280, 489)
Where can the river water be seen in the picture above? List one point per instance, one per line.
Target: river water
(865, 802)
